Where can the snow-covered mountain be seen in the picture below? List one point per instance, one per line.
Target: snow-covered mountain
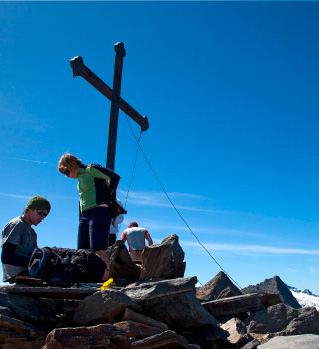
(305, 297)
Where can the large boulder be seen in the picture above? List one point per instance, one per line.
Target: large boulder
(105, 306)
(219, 287)
(271, 320)
(101, 336)
(306, 322)
(275, 286)
(121, 264)
(172, 302)
(179, 311)
(284, 320)
(306, 341)
(164, 261)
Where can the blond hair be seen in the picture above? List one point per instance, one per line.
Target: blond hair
(68, 162)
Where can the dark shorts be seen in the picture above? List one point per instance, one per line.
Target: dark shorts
(94, 227)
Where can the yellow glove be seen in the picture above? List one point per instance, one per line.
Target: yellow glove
(107, 284)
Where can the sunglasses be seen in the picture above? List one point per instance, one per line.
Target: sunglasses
(66, 172)
(41, 213)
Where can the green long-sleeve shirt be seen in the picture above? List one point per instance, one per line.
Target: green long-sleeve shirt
(87, 187)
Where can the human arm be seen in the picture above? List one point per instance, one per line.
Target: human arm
(118, 220)
(9, 256)
(148, 238)
(123, 237)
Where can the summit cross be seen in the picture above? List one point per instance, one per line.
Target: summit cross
(114, 95)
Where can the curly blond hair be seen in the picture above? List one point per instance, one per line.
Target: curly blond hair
(68, 162)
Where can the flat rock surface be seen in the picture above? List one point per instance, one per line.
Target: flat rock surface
(306, 341)
(234, 305)
(150, 290)
(50, 292)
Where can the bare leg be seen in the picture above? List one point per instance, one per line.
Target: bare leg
(106, 259)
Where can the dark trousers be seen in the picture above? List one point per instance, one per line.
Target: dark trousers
(94, 227)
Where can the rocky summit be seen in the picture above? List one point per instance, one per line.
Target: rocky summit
(155, 306)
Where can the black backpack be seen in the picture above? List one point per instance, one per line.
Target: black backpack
(67, 266)
(107, 193)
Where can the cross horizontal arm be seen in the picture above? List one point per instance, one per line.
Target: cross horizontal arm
(79, 69)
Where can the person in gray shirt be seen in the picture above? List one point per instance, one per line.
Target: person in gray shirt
(19, 239)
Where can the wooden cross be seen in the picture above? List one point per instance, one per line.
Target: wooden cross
(114, 95)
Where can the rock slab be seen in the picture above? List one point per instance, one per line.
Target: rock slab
(306, 341)
(179, 311)
(164, 261)
(102, 307)
(101, 336)
(219, 287)
(167, 339)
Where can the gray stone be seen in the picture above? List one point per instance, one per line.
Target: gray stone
(283, 320)
(150, 290)
(30, 309)
(14, 324)
(167, 339)
(252, 345)
(121, 264)
(131, 315)
(234, 305)
(18, 334)
(50, 292)
(269, 299)
(101, 336)
(306, 322)
(276, 286)
(306, 341)
(105, 306)
(179, 311)
(219, 287)
(273, 319)
(165, 261)
(137, 330)
(237, 332)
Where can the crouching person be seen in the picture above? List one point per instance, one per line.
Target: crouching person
(19, 238)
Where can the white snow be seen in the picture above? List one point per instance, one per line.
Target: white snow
(305, 298)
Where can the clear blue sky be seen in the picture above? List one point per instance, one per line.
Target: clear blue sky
(231, 93)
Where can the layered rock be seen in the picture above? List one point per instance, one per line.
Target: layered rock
(274, 286)
(163, 261)
(219, 287)
(101, 336)
(121, 264)
(284, 320)
(152, 313)
(104, 306)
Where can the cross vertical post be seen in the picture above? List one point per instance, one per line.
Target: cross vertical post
(117, 79)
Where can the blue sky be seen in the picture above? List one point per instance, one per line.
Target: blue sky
(231, 93)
